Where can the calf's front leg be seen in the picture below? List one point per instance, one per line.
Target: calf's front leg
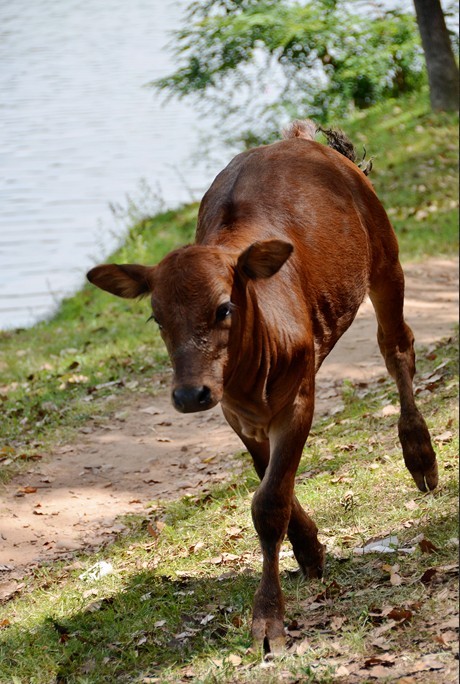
(302, 530)
(272, 508)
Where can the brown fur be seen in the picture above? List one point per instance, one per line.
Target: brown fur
(290, 239)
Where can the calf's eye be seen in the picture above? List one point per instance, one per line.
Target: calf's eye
(154, 318)
(223, 311)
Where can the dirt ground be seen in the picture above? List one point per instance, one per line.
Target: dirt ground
(148, 451)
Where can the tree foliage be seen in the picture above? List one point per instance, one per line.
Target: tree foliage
(317, 58)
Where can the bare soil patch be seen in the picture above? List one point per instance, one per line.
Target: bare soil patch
(147, 451)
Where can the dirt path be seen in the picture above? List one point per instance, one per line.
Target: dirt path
(149, 451)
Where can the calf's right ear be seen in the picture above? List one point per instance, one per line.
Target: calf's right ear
(264, 259)
(123, 280)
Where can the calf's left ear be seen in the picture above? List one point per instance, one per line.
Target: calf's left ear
(123, 280)
(264, 259)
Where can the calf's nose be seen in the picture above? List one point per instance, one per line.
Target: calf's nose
(191, 399)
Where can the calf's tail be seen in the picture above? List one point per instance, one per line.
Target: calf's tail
(336, 139)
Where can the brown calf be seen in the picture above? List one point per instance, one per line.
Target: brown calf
(290, 239)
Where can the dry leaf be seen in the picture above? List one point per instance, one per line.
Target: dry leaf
(385, 659)
(427, 547)
(428, 575)
(395, 579)
(303, 647)
(217, 560)
(378, 672)
(342, 671)
(337, 622)
(400, 614)
(155, 528)
(444, 437)
(427, 662)
(27, 490)
(389, 410)
(234, 532)
(151, 410)
(234, 660)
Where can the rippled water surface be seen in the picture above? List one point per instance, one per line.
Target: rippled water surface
(79, 131)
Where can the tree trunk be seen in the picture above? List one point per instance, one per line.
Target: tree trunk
(443, 75)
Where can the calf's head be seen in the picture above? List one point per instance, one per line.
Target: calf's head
(196, 293)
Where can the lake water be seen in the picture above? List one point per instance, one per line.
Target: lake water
(80, 131)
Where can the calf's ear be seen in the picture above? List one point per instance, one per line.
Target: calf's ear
(123, 280)
(264, 259)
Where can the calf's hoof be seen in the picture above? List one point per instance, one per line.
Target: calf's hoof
(426, 480)
(311, 567)
(268, 634)
(419, 455)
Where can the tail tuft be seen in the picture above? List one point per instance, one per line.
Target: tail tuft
(337, 140)
(340, 142)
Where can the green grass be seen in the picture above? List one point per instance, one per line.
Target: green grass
(178, 607)
(415, 171)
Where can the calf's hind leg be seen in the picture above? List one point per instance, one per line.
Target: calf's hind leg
(396, 342)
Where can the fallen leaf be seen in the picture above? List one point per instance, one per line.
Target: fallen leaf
(154, 528)
(342, 671)
(389, 410)
(400, 614)
(450, 636)
(451, 623)
(378, 672)
(395, 579)
(427, 547)
(234, 660)
(427, 662)
(333, 589)
(381, 643)
(428, 575)
(234, 532)
(151, 410)
(337, 622)
(383, 628)
(444, 437)
(27, 490)
(303, 647)
(217, 560)
(385, 659)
